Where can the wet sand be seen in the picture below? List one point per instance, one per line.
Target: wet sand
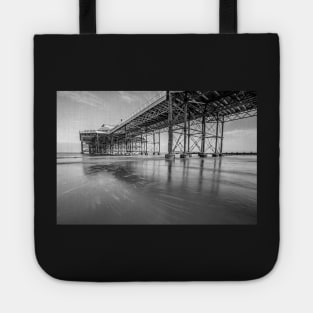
(141, 190)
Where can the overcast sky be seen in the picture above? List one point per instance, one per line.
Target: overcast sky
(81, 110)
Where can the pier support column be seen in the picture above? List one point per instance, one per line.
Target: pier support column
(82, 147)
(188, 135)
(97, 144)
(184, 154)
(170, 154)
(126, 141)
(159, 151)
(141, 145)
(202, 154)
(111, 146)
(153, 142)
(215, 154)
(146, 146)
(222, 136)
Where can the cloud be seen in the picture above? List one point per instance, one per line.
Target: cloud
(240, 140)
(83, 97)
(126, 96)
(241, 132)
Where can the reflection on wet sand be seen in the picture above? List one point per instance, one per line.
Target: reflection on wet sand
(157, 191)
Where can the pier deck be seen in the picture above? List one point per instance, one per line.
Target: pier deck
(194, 121)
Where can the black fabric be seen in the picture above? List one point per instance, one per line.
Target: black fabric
(87, 16)
(228, 16)
(165, 252)
(156, 62)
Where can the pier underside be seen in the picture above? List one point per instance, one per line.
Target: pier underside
(194, 121)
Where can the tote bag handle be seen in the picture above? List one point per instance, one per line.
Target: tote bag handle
(87, 16)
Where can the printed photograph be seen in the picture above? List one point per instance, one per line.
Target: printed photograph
(156, 157)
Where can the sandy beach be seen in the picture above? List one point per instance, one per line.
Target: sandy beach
(152, 190)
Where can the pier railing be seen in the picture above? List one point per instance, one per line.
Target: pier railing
(161, 96)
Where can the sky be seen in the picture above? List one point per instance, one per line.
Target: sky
(83, 110)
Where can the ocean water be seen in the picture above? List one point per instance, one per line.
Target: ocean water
(146, 190)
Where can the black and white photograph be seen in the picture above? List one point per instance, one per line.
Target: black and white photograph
(157, 157)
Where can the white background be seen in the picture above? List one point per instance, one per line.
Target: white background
(26, 288)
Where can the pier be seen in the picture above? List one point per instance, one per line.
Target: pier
(194, 121)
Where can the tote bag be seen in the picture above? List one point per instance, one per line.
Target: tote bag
(156, 156)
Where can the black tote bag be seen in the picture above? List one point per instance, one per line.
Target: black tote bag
(167, 153)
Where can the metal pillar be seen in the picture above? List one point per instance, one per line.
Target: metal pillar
(216, 136)
(82, 147)
(222, 137)
(153, 142)
(170, 154)
(203, 134)
(141, 144)
(126, 148)
(183, 155)
(159, 151)
(146, 150)
(188, 133)
(107, 146)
